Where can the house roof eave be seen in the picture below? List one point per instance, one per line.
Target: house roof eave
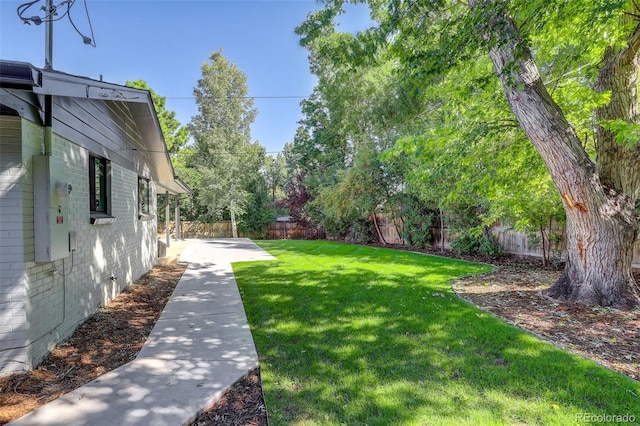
(146, 117)
(175, 186)
(62, 84)
(25, 76)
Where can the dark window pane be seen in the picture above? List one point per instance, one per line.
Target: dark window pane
(143, 196)
(98, 184)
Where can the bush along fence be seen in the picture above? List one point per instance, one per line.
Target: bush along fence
(275, 230)
(548, 244)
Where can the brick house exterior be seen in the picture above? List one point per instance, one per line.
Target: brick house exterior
(93, 154)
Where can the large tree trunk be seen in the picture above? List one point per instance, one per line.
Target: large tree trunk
(601, 221)
(601, 231)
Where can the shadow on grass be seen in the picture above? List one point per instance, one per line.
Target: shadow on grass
(358, 335)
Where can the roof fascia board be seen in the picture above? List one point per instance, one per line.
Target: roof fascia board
(15, 99)
(60, 84)
(176, 186)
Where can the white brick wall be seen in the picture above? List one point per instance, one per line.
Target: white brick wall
(13, 319)
(53, 298)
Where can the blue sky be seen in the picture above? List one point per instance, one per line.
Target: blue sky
(164, 42)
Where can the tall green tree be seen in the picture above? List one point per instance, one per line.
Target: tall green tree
(225, 155)
(559, 65)
(193, 207)
(346, 127)
(599, 196)
(275, 173)
(259, 211)
(467, 149)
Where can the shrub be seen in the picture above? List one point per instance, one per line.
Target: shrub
(490, 246)
(467, 242)
(362, 231)
(418, 221)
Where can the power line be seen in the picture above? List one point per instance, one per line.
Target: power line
(51, 15)
(86, 40)
(212, 153)
(240, 97)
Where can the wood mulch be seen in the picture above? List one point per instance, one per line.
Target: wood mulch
(242, 405)
(110, 338)
(115, 334)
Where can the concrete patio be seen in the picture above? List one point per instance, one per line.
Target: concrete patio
(200, 346)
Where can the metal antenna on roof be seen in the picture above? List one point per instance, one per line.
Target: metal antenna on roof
(48, 37)
(50, 15)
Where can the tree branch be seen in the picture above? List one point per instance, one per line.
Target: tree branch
(633, 15)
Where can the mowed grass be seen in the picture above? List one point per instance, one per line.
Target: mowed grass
(354, 335)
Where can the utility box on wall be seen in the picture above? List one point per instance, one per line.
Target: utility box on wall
(51, 191)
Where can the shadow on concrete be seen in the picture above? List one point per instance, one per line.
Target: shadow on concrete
(200, 346)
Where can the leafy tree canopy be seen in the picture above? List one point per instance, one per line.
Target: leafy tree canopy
(228, 161)
(566, 71)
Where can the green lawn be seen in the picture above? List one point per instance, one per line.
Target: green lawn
(353, 335)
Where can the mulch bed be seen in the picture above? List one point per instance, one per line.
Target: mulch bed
(242, 405)
(111, 337)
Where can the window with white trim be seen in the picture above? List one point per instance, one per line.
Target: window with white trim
(99, 190)
(144, 199)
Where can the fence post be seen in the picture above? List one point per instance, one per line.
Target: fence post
(177, 217)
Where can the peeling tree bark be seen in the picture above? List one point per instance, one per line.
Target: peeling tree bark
(599, 199)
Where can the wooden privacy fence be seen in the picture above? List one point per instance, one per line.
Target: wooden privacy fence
(512, 241)
(519, 243)
(389, 229)
(275, 230)
(199, 229)
(291, 231)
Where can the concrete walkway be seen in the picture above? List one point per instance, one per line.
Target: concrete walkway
(200, 346)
